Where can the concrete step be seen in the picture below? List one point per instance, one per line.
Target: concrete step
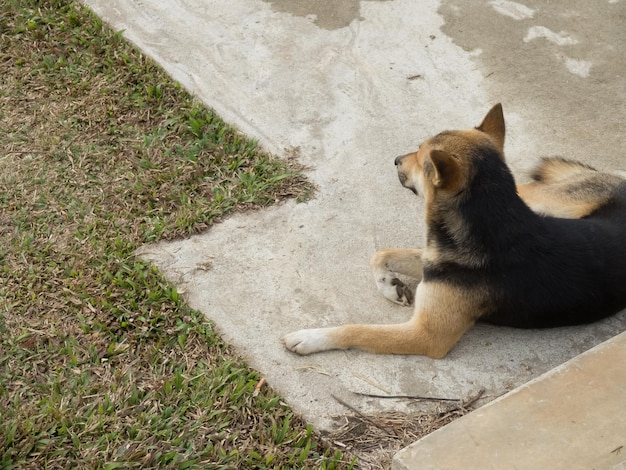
(572, 417)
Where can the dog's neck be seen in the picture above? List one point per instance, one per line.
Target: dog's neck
(481, 224)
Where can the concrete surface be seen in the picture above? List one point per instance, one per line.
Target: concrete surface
(349, 85)
(570, 418)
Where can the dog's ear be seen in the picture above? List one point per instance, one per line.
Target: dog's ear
(442, 169)
(493, 126)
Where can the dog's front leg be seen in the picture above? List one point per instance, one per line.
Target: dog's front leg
(436, 326)
(387, 264)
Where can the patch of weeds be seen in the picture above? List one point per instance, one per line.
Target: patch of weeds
(102, 364)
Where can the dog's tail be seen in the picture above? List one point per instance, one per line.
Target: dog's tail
(558, 169)
(567, 188)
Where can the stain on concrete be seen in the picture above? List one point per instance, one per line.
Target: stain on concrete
(558, 60)
(326, 14)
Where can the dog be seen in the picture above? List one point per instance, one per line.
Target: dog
(546, 254)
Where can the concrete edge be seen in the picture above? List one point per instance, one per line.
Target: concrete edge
(570, 417)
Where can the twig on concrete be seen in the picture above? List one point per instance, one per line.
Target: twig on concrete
(406, 397)
(363, 417)
(473, 399)
(463, 406)
(372, 382)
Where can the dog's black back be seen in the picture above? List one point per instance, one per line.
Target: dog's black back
(538, 271)
(574, 272)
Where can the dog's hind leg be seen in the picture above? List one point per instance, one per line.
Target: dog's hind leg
(442, 315)
(387, 264)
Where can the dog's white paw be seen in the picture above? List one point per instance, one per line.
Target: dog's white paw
(395, 290)
(309, 341)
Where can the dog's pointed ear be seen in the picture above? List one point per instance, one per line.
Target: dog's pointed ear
(493, 126)
(442, 169)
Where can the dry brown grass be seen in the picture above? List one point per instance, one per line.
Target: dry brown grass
(101, 363)
(375, 438)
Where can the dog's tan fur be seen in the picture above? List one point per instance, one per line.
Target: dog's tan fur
(426, 333)
(446, 308)
(563, 188)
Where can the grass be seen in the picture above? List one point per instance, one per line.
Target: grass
(102, 364)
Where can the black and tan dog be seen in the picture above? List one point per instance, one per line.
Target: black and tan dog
(546, 254)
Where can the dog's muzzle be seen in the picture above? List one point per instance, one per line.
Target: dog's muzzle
(402, 176)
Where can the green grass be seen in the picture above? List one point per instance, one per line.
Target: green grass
(102, 364)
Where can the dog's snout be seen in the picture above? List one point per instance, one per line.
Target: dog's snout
(398, 160)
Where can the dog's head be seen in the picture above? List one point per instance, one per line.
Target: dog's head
(443, 165)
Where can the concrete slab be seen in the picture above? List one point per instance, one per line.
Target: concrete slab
(570, 418)
(351, 84)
